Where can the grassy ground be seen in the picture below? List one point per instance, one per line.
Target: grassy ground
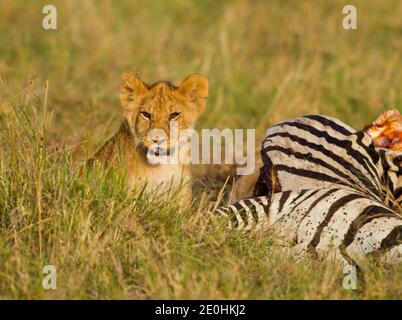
(266, 61)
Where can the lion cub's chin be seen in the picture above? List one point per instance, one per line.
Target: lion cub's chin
(164, 181)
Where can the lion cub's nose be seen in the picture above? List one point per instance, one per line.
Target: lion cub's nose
(158, 139)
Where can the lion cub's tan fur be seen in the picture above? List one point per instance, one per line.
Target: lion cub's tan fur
(148, 107)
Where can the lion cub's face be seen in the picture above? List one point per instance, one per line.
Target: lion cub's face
(151, 110)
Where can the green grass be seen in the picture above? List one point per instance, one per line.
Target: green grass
(266, 61)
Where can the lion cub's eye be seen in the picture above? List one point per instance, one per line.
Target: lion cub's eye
(174, 116)
(146, 115)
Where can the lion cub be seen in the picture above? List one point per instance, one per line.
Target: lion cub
(148, 111)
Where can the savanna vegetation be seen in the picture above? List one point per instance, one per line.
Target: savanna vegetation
(266, 61)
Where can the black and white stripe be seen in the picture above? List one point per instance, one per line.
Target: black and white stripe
(336, 191)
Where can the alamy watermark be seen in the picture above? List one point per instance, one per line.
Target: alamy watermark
(49, 21)
(350, 20)
(350, 279)
(49, 281)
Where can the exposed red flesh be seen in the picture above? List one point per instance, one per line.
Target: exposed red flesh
(386, 131)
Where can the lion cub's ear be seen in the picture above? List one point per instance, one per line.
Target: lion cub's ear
(131, 88)
(195, 88)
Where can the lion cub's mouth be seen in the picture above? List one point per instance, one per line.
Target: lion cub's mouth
(160, 152)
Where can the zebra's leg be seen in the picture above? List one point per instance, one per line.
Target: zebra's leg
(282, 213)
(393, 255)
(247, 214)
(381, 236)
(316, 220)
(349, 221)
